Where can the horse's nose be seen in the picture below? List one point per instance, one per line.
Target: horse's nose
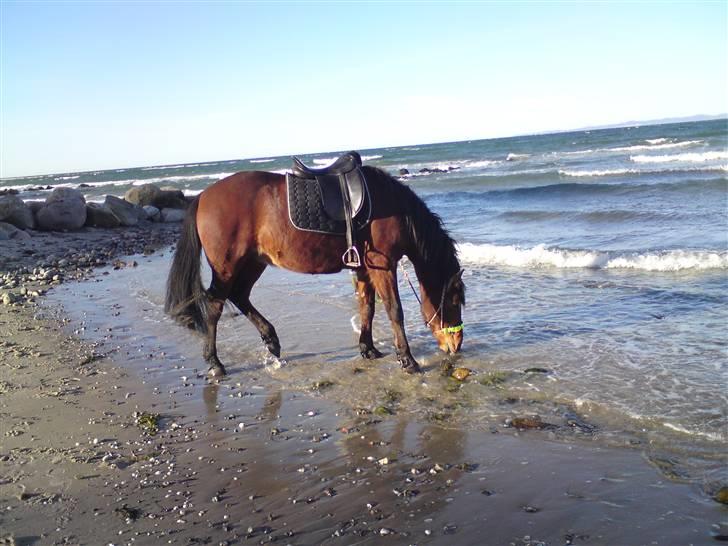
(454, 342)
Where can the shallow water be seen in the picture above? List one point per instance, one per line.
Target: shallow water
(619, 352)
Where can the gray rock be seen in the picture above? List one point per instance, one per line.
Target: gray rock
(153, 213)
(170, 198)
(100, 215)
(65, 209)
(9, 231)
(14, 211)
(173, 215)
(142, 195)
(127, 213)
(35, 206)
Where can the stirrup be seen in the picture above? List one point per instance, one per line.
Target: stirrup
(351, 258)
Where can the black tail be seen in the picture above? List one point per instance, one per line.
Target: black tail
(186, 299)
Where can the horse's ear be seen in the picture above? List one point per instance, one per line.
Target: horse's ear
(460, 274)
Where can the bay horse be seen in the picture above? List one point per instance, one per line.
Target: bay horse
(242, 224)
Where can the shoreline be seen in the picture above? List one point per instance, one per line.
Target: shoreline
(278, 465)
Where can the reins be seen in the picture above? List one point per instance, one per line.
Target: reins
(438, 311)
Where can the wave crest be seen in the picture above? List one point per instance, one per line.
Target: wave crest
(541, 256)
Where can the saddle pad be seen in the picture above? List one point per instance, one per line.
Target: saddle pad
(306, 208)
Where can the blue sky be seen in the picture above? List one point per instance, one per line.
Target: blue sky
(95, 85)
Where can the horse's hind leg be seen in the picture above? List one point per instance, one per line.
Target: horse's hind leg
(240, 296)
(217, 294)
(365, 295)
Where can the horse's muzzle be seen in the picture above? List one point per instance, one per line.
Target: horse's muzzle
(451, 343)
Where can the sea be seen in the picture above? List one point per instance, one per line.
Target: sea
(596, 266)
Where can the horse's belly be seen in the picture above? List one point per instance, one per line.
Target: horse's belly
(306, 259)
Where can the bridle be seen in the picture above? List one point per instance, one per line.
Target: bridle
(438, 311)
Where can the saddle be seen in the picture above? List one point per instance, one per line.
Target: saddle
(331, 199)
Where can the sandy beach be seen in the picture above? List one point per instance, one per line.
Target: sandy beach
(255, 460)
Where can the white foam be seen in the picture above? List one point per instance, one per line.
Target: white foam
(261, 160)
(648, 147)
(481, 164)
(686, 157)
(604, 172)
(541, 256)
(714, 436)
(656, 140)
(325, 161)
(370, 157)
(67, 177)
(517, 157)
(617, 172)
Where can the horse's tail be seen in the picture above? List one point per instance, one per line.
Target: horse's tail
(186, 300)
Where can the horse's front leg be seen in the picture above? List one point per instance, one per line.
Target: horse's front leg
(365, 295)
(385, 283)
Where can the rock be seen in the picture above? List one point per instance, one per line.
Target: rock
(35, 206)
(13, 210)
(64, 209)
(153, 213)
(403, 172)
(8, 298)
(127, 213)
(460, 373)
(721, 495)
(529, 422)
(173, 215)
(9, 231)
(171, 198)
(100, 215)
(142, 195)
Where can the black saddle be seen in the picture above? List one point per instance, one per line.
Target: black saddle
(341, 194)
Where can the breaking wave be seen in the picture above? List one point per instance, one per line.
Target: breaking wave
(686, 157)
(541, 256)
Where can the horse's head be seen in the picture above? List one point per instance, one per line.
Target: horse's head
(446, 320)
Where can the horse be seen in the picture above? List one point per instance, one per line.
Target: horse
(242, 224)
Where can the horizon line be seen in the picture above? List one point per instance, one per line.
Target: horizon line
(632, 123)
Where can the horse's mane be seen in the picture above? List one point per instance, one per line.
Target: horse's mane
(430, 240)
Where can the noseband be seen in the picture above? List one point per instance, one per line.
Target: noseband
(438, 311)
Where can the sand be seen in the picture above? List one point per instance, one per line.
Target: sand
(253, 463)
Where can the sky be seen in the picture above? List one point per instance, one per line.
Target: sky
(98, 85)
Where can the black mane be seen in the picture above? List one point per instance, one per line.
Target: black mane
(431, 243)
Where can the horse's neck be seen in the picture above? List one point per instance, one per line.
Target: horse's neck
(430, 288)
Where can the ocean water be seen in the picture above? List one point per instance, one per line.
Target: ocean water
(600, 256)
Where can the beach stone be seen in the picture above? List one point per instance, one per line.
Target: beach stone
(461, 373)
(153, 213)
(142, 195)
(64, 209)
(35, 206)
(403, 172)
(13, 210)
(127, 213)
(9, 231)
(100, 215)
(173, 215)
(171, 198)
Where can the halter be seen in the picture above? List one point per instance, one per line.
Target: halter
(438, 311)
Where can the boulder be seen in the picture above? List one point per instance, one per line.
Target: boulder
(64, 209)
(142, 195)
(100, 215)
(173, 215)
(170, 198)
(13, 210)
(35, 206)
(149, 194)
(127, 213)
(153, 213)
(9, 231)
(403, 172)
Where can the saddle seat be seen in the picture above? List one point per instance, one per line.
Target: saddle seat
(331, 185)
(342, 197)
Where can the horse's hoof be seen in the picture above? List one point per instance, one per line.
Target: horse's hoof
(216, 371)
(370, 353)
(409, 364)
(273, 345)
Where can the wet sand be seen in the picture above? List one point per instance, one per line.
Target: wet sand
(257, 458)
